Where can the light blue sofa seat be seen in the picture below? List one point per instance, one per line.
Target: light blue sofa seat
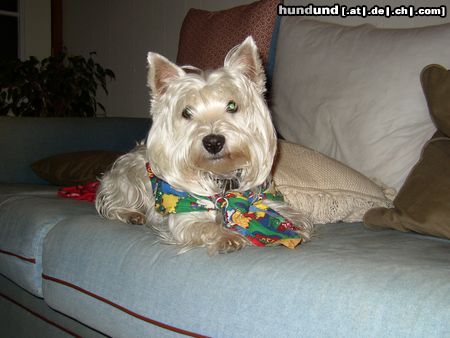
(347, 282)
(29, 206)
(25, 221)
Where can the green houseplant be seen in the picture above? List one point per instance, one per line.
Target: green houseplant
(56, 86)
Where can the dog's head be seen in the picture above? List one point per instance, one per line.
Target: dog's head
(211, 126)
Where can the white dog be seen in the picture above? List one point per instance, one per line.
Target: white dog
(211, 146)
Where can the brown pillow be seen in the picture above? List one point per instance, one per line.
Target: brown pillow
(423, 203)
(74, 168)
(206, 37)
(436, 86)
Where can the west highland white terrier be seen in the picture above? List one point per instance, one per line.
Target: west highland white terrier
(203, 177)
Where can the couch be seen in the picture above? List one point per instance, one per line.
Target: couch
(65, 271)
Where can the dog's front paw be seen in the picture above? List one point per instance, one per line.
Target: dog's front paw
(135, 218)
(227, 243)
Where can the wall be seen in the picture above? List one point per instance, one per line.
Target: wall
(36, 26)
(122, 32)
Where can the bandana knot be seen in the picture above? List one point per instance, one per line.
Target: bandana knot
(243, 212)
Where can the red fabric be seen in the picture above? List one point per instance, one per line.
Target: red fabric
(84, 192)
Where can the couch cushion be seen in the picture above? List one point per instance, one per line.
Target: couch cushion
(13, 189)
(75, 168)
(346, 282)
(353, 93)
(26, 216)
(423, 202)
(206, 37)
(323, 189)
(436, 87)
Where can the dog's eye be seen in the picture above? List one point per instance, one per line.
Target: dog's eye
(187, 113)
(232, 107)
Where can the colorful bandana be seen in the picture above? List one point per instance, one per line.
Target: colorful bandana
(243, 212)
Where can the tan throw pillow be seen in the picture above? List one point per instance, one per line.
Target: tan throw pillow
(423, 203)
(206, 37)
(74, 168)
(324, 189)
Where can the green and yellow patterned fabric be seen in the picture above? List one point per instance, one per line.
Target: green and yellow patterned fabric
(243, 212)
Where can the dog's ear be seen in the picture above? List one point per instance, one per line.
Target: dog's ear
(161, 71)
(245, 58)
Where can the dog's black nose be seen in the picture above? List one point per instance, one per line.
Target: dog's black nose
(213, 143)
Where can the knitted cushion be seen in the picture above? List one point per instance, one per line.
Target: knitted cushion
(324, 189)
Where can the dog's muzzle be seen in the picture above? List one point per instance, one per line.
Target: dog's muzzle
(213, 143)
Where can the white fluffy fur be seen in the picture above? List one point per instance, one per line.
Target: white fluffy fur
(177, 155)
